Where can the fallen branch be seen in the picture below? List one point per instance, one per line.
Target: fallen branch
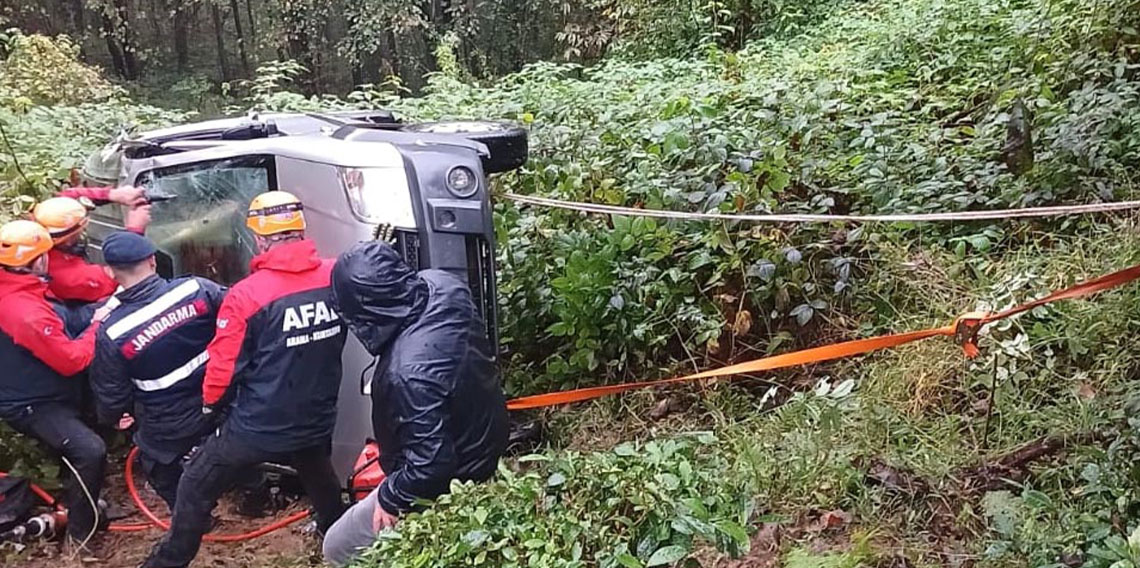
(1014, 466)
(12, 152)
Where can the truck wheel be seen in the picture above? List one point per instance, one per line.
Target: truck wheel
(506, 142)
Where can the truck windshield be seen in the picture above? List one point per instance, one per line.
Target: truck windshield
(203, 228)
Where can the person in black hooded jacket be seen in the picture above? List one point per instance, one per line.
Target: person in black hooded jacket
(438, 409)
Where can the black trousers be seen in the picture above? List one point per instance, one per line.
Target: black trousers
(162, 477)
(58, 426)
(220, 464)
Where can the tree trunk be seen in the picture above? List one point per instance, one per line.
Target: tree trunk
(252, 22)
(181, 36)
(297, 47)
(236, 12)
(126, 35)
(113, 47)
(156, 9)
(79, 16)
(357, 73)
(389, 60)
(220, 39)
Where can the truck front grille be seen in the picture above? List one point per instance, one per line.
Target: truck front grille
(480, 274)
(481, 280)
(408, 245)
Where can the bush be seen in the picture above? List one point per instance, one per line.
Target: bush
(43, 143)
(637, 505)
(54, 112)
(898, 106)
(853, 443)
(22, 456)
(40, 70)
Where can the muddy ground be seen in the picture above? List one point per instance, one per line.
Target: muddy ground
(290, 547)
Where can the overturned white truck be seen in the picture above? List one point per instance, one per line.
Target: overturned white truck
(354, 171)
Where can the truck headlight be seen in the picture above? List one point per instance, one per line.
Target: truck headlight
(379, 195)
(461, 181)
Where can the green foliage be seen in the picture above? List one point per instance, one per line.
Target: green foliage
(445, 56)
(22, 457)
(890, 107)
(636, 506)
(39, 70)
(54, 111)
(811, 453)
(271, 89)
(1097, 522)
(46, 142)
(675, 28)
(800, 558)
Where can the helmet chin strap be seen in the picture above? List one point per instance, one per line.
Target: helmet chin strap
(29, 269)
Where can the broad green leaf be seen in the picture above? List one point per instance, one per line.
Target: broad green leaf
(629, 561)
(556, 479)
(734, 531)
(667, 555)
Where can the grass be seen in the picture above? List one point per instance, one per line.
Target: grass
(885, 106)
(898, 456)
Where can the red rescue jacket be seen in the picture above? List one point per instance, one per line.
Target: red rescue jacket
(72, 278)
(35, 351)
(278, 344)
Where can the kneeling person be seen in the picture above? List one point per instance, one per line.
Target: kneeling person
(151, 356)
(39, 388)
(438, 409)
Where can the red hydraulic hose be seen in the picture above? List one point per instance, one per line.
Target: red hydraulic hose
(39, 491)
(133, 490)
(48, 499)
(157, 522)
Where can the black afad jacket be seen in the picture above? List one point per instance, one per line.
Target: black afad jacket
(278, 347)
(438, 408)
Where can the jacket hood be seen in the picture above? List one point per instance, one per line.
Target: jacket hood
(300, 256)
(377, 293)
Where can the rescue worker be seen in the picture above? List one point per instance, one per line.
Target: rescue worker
(73, 279)
(78, 287)
(438, 409)
(277, 352)
(150, 358)
(38, 389)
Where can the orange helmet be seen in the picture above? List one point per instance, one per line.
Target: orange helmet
(22, 241)
(275, 212)
(61, 216)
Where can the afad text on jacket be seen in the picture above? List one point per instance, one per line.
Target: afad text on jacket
(277, 351)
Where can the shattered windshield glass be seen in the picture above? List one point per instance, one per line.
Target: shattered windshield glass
(203, 226)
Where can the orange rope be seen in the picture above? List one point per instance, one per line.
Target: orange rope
(964, 329)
